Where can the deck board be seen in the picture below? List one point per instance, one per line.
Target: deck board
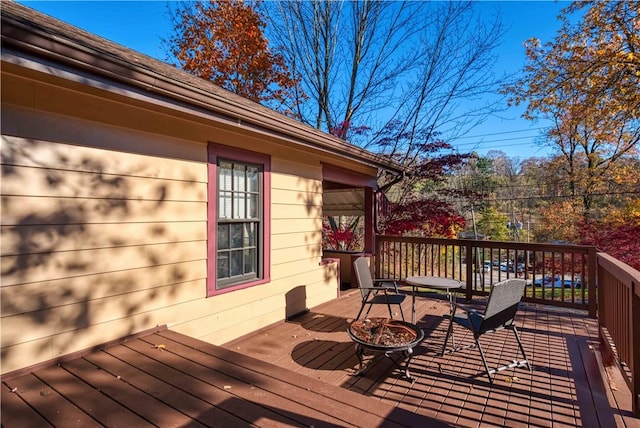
(15, 408)
(136, 400)
(243, 384)
(90, 399)
(308, 391)
(167, 386)
(53, 407)
(300, 373)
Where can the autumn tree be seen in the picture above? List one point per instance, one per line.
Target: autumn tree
(223, 41)
(619, 239)
(493, 224)
(587, 83)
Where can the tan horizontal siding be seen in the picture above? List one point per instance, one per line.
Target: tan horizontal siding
(39, 296)
(301, 252)
(72, 340)
(65, 264)
(96, 244)
(308, 226)
(318, 285)
(299, 167)
(294, 211)
(82, 314)
(71, 184)
(74, 158)
(83, 236)
(33, 210)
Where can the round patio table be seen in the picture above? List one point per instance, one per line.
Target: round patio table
(387, 336)
(432, 282)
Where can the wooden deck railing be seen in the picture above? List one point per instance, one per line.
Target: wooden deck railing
(560, 275)
(619, 319)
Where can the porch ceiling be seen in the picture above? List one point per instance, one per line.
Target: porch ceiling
(338, 202)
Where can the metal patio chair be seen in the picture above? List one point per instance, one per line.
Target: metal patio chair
(499, 314)
(376, 292)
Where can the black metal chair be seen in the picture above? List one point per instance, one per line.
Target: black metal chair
(499, 314)
(376, 292)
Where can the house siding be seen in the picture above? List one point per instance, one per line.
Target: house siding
(104, 225)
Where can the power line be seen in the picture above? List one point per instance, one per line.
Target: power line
(496, 141)
(547, 197)
(478, 146)
(501, 133)
(482, 145)
(498, 187)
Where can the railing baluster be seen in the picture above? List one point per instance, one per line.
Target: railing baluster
(400, 257)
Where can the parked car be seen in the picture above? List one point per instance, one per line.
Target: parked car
(509, 266)
(556, 282)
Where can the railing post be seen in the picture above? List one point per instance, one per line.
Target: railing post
(593, 274)
(377, 258)
(635, 347)
(470, 276)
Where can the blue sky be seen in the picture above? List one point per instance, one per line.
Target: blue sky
(141, 25)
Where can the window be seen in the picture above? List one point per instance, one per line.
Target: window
(238, 222)
(238, 254)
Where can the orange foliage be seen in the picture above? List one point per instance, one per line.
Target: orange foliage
(559, 222)
(223, 41)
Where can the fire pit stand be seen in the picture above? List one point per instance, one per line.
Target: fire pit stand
(387, 336)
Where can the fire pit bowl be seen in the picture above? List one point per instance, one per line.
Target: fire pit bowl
(387, 336)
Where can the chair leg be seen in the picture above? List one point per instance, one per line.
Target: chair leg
(449, 333)
(524, 355)
(401, 313)
(484, 360)
(360, 312)
(390, 312)
(368, 310)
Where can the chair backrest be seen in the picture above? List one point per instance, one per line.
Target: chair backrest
(502, 304)
(363, 276)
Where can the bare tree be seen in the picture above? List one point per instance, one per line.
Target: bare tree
(406, 66)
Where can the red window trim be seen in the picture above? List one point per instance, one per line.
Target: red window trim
(215, 151)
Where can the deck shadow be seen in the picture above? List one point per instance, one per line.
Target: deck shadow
(326, 355)
(319, 322)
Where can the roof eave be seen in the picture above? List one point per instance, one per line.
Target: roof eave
(67, 52)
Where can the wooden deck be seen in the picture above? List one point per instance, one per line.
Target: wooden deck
(170, 380)
(565, 388)
(299, 373)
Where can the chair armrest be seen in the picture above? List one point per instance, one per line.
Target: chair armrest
(474, 317)
(464, 308)
(392, 283)
(385, 289)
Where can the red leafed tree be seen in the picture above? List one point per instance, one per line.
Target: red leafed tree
(420, 205)
(621, 241)
(429, 218)
(223, 41)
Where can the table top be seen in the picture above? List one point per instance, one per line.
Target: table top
(433, 282)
